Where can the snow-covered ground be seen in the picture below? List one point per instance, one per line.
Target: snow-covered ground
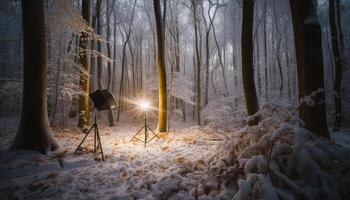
(342, 138)
(172, 166)
(190, 162)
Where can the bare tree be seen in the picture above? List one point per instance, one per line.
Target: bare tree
(211, 19)
(124, 74)
(208, 28)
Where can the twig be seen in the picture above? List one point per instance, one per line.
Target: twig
(269, 159)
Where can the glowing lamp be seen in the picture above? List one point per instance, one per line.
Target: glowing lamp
(144, 105)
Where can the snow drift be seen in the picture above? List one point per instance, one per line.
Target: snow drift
(302, 166)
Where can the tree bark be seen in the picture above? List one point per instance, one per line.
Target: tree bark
(198, 62)
(337, 63)
(84, 111)
(265, 52)
(34, 131)
(207, 56)
(57, 82)
(93, 56)
(99, 45)
(247, 59)
(109, 9)
(162, 93)
(307, 35)
(278, 51)
(113, 90)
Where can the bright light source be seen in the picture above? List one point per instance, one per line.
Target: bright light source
(144, 105)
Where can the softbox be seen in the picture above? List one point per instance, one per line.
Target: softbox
(103, 100)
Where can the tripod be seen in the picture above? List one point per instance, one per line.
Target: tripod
(147, 137)
(97, 140)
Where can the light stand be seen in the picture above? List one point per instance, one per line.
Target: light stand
(97, 140)
(145, 127)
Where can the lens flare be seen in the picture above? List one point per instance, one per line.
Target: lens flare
(144, 105)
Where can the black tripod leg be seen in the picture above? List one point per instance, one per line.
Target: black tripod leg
(146, 136)
(136, 134)
(100, 144)
(153, 132)
(95, 137)
(84, 138)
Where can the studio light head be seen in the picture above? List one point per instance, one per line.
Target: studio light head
(144, 105)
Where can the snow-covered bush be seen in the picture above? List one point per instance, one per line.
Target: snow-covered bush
(302, 166)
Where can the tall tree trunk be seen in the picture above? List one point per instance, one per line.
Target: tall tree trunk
(194, 83)
(93, 57)
(207, 55)
(162, 93)
(247, 59)
(113, 90)
(278, 51)
(289, 72)
(177, 53)
(84, 111)
(257, 61)
(132, 55)
(121, 85)
(109, 9)
(184, 73)
(207, 51)
(57, 81)
(34, 131)
(340, 32)
(124, 73)
(307, 35)
(198, 62)
(256, 49)
(99, 21)
(234, 58)
(265, 52)
(337, 63)
(222, 66)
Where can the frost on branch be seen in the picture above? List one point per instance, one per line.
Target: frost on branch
(182, 88)
(65, 27)
(220, 113)
(63, 17)
(313, 98)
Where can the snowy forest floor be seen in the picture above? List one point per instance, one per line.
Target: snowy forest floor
(189, 162)
(130, 170)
